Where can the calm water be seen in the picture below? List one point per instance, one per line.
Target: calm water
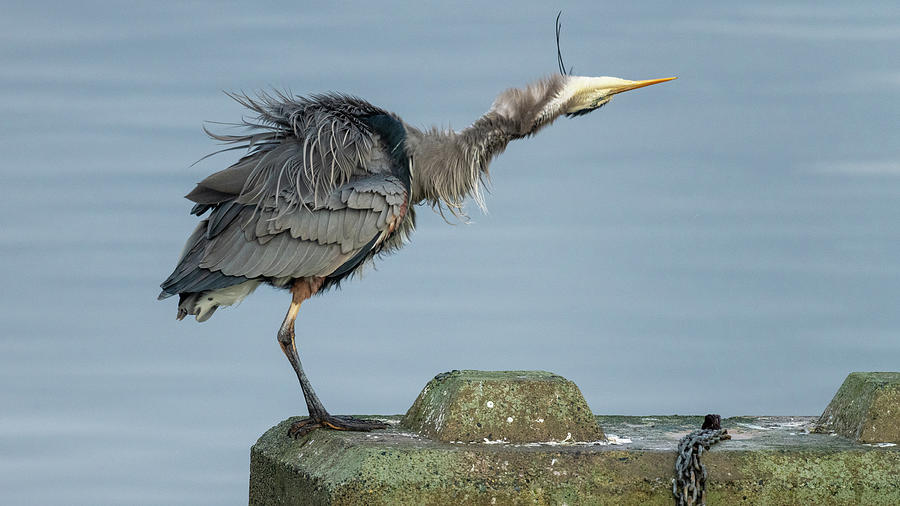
(724, 243)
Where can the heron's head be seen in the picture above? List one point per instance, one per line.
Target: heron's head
(581, 95)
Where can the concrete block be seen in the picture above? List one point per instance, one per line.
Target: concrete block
(769, 460)
(866, 408)
(475, 437)
(507, 406)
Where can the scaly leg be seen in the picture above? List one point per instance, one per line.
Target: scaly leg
(318, 415)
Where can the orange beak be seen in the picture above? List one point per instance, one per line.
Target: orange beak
(633, 85)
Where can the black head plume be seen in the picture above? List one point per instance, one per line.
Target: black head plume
(559, 58)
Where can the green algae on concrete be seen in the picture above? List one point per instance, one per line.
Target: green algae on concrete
(866, 408)
(508, 406)
(770, 460)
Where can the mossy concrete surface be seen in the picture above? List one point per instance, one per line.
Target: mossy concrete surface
(866, 408)
(769, 460)
(507, 406)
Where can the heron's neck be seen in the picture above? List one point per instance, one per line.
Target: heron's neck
(448, 166)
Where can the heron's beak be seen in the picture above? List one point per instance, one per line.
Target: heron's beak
(633, 85)
(585, 94)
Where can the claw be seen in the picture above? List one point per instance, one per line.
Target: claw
(303, 427)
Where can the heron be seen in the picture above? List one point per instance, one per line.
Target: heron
(329, 182)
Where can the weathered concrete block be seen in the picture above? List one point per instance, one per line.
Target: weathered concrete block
(769, 460)
(508, 406)
(866, 408)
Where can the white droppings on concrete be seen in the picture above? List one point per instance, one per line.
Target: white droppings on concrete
(509, 419)
(439, 419)
(612, 439)
(565, 443)
(489, 404)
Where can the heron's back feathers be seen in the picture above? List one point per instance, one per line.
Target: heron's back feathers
(305, 146)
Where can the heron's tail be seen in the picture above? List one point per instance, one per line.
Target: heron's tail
(192, 304)
(200, 290)
(204, 304)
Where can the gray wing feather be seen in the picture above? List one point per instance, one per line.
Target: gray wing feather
(235, 257)
(262, 227)
(335, 223)
(369, 221)
(221, 217)
(381, 221)
(282, 267)
(228, 241)
(316, 261)
(353, 200)
(305, 242)
(351, 226)
(322, 227)
(258, 253)
(273, 256)
(363, 200)
(302, 255)
(379, 204)
(346, 225)
(308, 226)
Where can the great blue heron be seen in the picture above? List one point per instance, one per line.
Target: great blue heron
(329, 182)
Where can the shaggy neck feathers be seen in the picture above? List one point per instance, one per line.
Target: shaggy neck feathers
(450, 166)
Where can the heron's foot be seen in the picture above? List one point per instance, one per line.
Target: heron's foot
(303, 427)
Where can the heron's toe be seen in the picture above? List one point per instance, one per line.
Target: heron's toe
(303, 427)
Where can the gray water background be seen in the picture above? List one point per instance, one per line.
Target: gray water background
(727, 242)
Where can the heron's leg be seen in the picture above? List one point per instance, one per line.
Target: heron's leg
(288, 345)
(318, 415)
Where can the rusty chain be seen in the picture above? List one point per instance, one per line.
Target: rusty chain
(689, 485)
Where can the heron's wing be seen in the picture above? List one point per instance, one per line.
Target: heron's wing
(313, 195)
(250, 241)
(302, 147)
